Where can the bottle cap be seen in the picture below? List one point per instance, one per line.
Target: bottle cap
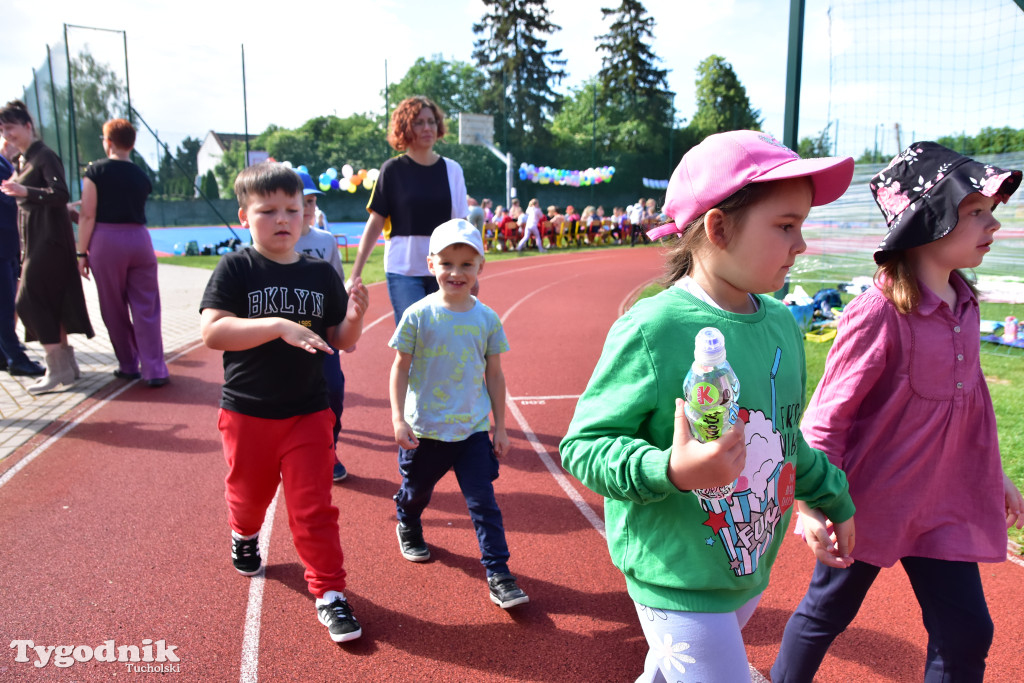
(709, 346)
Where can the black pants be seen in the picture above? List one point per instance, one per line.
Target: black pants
(952, 605)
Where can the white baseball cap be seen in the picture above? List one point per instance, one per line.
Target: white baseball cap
(456, 231)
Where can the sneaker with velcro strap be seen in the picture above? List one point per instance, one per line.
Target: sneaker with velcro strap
(505, 592)
(411, 543)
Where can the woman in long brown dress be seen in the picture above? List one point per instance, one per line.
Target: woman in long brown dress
(50, 302)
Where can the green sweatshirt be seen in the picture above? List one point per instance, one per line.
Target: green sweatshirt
(677, 551)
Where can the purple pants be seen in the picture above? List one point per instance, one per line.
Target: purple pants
(124, 266)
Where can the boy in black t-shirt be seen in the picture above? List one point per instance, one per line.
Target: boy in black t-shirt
(270, 310)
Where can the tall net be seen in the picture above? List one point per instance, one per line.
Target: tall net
(914, 70)
(923, 69)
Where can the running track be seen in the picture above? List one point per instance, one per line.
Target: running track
(114, 528)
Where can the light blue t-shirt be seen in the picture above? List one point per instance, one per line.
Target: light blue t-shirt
(447, 398)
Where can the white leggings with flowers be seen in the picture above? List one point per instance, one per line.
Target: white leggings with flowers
(695, 646)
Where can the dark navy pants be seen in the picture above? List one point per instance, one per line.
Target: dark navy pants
(476, 467)
(9, 346)
(952, 604)
(335, 379)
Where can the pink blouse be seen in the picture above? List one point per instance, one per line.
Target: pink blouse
(904, 410)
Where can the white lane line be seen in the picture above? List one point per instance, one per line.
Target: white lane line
(254, 610)
(1012, 557)
(45, 446)
(542, 453)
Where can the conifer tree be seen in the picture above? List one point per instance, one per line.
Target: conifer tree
(637, 88)
(521, 70)
(722, 102)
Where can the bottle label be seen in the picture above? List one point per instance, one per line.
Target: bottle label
(711, 424)
(705, 396)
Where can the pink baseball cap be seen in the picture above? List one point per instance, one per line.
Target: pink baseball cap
(723, 163)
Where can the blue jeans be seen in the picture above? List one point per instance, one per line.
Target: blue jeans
(405, 290)
(9, 346)
(475, 468)
(952, 604)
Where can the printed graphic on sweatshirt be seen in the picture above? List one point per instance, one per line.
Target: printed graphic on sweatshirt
(745, 522)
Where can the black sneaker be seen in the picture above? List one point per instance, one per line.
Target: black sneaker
(245, 555)
(411, 543)
(337, 616)
(339, 471)
(504, 591)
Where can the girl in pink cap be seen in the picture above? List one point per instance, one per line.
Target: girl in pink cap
(695, 567)
(904, 409)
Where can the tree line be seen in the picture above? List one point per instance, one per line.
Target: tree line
(622, 117)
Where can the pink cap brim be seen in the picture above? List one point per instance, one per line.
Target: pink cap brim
(831, 176)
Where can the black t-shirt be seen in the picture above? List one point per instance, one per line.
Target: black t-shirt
(417, 198)
(121, 191)
(276, 380)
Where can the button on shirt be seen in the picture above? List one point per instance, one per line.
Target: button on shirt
(904, 410)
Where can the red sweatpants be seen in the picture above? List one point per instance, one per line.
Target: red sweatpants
(299, 451)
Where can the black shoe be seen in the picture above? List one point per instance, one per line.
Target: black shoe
(25, 368)
(339, 471)
(504, 591)
(410, 542)
(337, 616)
(245, 555)
(127, 375)
(157, 382)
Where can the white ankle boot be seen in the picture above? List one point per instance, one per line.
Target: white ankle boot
(69, 351)
(59, 373)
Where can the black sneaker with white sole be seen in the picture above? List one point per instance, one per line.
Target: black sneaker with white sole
(411, 543)
(245, 555)
(337, 616)
(505, 592)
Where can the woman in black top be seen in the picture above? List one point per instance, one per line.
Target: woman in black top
(50, 302)
(415, 193)
(114, 245)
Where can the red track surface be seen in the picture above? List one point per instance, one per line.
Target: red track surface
(118, 532)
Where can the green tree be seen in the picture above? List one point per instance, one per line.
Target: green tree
(521, 71)
(231, 164)
(636, 95)
(209, 187)
(456, 86)
(722, 102)
(176, 175)
(98, 95)
(818, 146)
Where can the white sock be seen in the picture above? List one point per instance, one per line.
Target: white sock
(240, 537)
(329, 597)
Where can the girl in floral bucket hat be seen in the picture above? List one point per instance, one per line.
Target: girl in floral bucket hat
(904, 410)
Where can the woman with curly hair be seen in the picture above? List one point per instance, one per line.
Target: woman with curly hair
(50, 301)
(415, 193)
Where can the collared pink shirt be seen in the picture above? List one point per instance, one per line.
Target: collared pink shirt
(904, 410)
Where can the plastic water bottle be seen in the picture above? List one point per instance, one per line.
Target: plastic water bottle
(711, 392)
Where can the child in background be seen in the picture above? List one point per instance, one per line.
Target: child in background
(440, 403)
(696, 567)
(321, 244)
(272, 311)
(904, 410)
(533, 218)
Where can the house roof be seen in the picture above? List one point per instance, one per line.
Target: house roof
(225, 140)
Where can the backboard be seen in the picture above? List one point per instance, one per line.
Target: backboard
(476, 129)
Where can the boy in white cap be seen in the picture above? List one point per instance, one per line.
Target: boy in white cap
(445, 381)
